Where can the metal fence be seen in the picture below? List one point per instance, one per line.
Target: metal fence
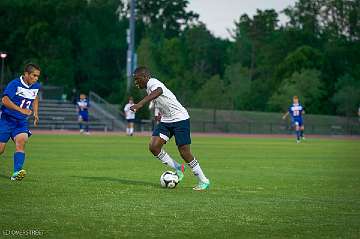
(260, 128)
(245, 122)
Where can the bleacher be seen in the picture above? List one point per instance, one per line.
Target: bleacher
(57, 114)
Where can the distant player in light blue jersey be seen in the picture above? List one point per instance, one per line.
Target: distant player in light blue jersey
(296, 111)
(83, 113)
(19, 101)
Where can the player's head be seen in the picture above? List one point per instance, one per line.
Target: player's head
(31, 73)
(131, 99)
(296, 99)
(141, 76)
(82, 96)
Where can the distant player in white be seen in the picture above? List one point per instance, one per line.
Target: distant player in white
(154, 113)
(175, 121)
(130, 117)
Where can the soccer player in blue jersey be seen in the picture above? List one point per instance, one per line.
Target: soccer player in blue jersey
(296, 111)
(82, 108)
(175, 121)
(19, 101)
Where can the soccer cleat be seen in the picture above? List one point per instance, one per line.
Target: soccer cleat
(180, 172)
(19, 175)
(303, 138)
(298, 141)
(202, 186)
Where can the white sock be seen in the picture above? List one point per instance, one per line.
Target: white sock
(127, 130)
(195, 167)
(131, 130)
(166, 159)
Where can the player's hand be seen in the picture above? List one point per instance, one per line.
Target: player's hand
(135, 107)
(157, 117)
(36, 120)
(26, 111)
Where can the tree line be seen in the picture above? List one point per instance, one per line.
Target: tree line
(82, 44)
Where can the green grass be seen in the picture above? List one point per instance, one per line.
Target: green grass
(108, 187)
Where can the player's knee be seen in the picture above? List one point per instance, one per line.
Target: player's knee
(2, 149)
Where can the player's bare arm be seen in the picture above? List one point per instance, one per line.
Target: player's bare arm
(153, 95)
(285, 115)
(9, 104)
(36, 111)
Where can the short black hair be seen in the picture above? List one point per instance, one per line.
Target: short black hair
(30, 67)
(142, 70)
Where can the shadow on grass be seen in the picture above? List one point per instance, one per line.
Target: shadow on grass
(4, 176)
(119, 180)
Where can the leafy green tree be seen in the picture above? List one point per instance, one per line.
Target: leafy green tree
(212, 95)
(306, 84)
(347, 96)
(165, 16)
(238, 83)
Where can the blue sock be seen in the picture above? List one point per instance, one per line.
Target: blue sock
(19, 158)
(298, 134)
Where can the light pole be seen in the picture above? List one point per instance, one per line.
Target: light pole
(3, 55)
(130, 62)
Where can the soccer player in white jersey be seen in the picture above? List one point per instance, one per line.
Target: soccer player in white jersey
(175, 121)
(130, 117)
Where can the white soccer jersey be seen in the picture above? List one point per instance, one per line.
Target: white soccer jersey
(129, 114)
(170, 108)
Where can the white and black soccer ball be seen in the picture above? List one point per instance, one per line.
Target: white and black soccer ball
(169, 179)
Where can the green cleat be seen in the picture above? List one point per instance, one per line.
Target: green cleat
(202, 186)
(180, 172)
(18, 176)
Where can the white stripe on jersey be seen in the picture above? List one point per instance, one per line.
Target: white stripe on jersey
(27, 93)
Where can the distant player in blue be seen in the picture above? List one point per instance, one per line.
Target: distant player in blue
(83, 114)
(296, 111)
(19, 101)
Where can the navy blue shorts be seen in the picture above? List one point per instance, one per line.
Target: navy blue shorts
(10, 127)
(84, 116)
(130, 120)
(180, 129)
(298, 122)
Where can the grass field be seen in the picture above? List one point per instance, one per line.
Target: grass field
(108, 187)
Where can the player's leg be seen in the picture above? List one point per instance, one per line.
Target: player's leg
(195, 167)
(80, 120)
(19, 156)
(297, 129)
(86, 122)
(156, 148)
(302, 130)
(5, 130)
(159, 137)
(2, 147)
(183, 141)
(131, 128)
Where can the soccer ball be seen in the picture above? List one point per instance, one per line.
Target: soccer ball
(169, 179)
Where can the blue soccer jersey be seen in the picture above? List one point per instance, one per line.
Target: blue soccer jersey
(83, 106)
(296, 111)
(22, 95)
